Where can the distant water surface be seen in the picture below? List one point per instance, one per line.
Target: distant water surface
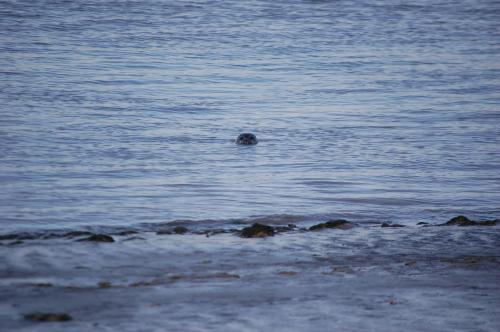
(124, 112)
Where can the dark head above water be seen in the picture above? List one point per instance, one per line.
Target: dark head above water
(246, 139)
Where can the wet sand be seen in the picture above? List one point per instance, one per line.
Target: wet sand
(369, 277)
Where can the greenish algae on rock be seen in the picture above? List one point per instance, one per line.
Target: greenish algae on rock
(340, 224)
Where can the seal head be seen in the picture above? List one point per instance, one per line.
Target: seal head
(246, 139)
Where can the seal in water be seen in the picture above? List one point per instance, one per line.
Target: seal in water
(246, 139)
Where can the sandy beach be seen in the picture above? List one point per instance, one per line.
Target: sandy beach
(368, 277)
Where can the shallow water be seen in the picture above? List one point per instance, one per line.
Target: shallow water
(365, 278)
(123, 112)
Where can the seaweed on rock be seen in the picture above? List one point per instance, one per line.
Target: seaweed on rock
(340, 224)
(464, 221)
(257, 230)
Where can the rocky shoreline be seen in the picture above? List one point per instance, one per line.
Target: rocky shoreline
(255, 230)
(333, 275)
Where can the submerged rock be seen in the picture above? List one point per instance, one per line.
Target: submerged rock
(104, 284)
(464, 221)
(203, 277)
(391, 225)
(20, 236)
(44, 284)
(246, 139)
(340, 224)
(133, 238)
(287, 228)
(76, 233)
(48, 317)
(257, 230)
(180, 230)
(489, 222)
(126, 232)
(8, 237)
(215, 231)
(99, 238)
(175, 230)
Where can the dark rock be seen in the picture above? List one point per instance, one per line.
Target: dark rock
(287, 228)
(44, 284)
(246, 139)
(77, 233)
(391, 225)
(52, 236)
(180, 230)
(257, 230)
(460, 221)
(99, 238)
(164, 232)
(175, 230)
(422, 223)
(340, 224)
(104, 284)
(195, 277)
(8, 237)
(488, 222)
(48, 317)
(20, 236)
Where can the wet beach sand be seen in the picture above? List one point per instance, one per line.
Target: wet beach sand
(350, 277)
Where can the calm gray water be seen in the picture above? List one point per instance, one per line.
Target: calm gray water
(125, 112)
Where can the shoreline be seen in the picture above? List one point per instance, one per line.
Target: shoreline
(236, 228)
(375, 278)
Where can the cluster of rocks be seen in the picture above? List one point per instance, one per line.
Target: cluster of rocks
(261, 230)
(254, 231)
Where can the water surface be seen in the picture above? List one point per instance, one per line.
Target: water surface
(124, 112)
